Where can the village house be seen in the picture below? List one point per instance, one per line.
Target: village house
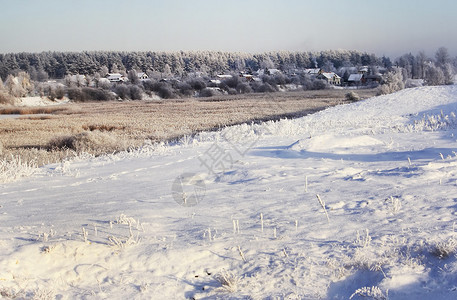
(267, 71)
(142, 76)
(224, 76)
(313, 72)
(330, 77)
(116, 77)
(356, 79)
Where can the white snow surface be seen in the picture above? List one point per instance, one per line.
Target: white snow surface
(358, 201)
(39, 101)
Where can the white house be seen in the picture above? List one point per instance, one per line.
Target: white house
(330, 77)
(262, 72)
(224, 76)
(116, 77)
(313, 72)
(142, 76)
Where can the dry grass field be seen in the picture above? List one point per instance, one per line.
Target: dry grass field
(49, 134)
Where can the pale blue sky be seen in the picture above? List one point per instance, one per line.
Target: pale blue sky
(390, 27)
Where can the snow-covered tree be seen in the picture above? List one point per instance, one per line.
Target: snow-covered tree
(434, 75)
(393, 81)
(442, 57)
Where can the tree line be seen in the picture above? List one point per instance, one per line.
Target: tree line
(45, 65)
(81, 75)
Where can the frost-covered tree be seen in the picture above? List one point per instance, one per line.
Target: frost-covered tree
(166, 73)
(448, 72)
(434, 75)
(442, 57)
(103, 71)
(267, 63)
(421, 61)
(393, 81)
(19, 86)
(132, 75)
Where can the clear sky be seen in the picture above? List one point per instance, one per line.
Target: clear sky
(383, 27)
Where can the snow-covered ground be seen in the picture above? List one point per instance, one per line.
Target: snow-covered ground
(39, 101)
(357, 200)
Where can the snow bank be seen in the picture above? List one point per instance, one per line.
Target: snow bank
(383, 170)
(38, 101)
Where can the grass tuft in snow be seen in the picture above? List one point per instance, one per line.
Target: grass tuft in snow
(322, 203)
(228, 280)
(15, 168)
(444, 249)
(373, 292)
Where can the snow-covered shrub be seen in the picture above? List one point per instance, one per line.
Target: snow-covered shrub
(90, 141)
(14, 168)
(228, 280)
(207, 93)
(164, 90)
(243, 88)
(352, 96)
(373, 292)
(185, 89)
(197, 84)
(88, 94)
(444, 249)
(413, 83)
(5, 98)
(263, 88)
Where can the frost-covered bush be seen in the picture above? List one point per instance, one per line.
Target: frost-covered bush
(413, 83)
(164, 90)
(319, 84)
(373, 292)
(88, 94)
(243, 88)
(444, 249)
(352, 96)
(90, 141)
(228, 281)
(231, 82)
(207, 93)
(135, 92)
(91, 94)
(263, 88)
(197, 84)
(184, 89)
(6, 98)
(14, 168)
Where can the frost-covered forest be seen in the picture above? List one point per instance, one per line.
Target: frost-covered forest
(58, 64)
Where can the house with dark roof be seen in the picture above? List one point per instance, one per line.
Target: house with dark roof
(356, 79)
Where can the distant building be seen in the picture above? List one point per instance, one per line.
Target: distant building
(116, 77)
(224, 76)
(330, 77)
(142, 76)
(267, 71)
(356, 79)
(313, 72)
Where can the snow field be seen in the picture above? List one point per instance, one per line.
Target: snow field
(383, 171)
